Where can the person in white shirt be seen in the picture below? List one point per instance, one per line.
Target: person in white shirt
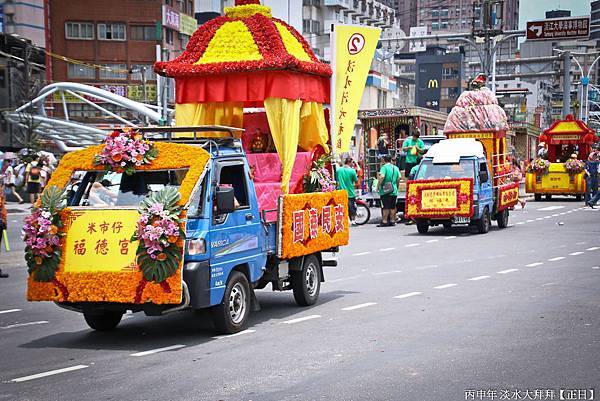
(10, 179)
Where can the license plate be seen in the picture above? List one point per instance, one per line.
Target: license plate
(462, 220)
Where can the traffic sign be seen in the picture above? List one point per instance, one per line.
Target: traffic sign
(559, 28)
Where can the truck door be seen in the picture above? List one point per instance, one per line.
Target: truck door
(485, 187)
(235, 237)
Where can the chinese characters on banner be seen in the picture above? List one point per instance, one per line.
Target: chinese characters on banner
(101, 242)
(354, 48)
(326, 227)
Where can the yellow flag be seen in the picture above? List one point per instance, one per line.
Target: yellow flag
(354, 46)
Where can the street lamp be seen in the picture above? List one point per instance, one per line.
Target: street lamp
(585, 82)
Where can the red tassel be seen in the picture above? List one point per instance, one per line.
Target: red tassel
(140, 290)
(62, 288)
(245, 2)
(165, 286)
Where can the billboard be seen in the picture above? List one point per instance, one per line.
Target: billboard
(429, 85)
(559, 28)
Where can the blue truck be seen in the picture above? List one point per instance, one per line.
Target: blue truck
(454, 186)
(232, 248)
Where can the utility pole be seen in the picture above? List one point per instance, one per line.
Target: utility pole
(566, 109)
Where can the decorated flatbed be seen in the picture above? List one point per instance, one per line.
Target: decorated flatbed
(559, 169)
(202, 214)
(466, 179)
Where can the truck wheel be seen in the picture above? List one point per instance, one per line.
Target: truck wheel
(103, 321)
(306, 283)
(483, 224)
(502, 218)
(231, 315)
(537, 197)
(422, 226)
(578, 198)
(548, 197)
(447, 226)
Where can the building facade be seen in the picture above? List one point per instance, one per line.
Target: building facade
(24, 18)
(438, 79)
(115, 46)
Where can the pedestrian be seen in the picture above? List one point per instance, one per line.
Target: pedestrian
(414, 147)
(46, 172)
(387, 185)
(33, 180)
(591, 176)
(346, 179)
(10, 179)
(382, 144)
(3, 222)
(542, 152)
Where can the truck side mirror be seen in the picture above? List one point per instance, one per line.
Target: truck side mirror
(225, 200)
(483, 173)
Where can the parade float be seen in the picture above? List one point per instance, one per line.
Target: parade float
(164, 219)
(451, 198)
(558, 172)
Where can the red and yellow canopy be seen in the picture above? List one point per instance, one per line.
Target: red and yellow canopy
(568, 131)
(247, 55)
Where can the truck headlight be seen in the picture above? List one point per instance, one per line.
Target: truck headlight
(196, 246)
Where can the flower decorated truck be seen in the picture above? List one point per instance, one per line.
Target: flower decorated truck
(558, 173)
(466, 179)
(203, 214)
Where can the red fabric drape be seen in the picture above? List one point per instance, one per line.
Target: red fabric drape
(253, 88)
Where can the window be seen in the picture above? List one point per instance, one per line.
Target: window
(101, 189)
(435, 26)
(117, 71)
(381, 99)
(435, 13)
(444, 12)
(138, 69)
(444, 25)
(169, 36)
(450, 73)
(111, 31)
(142, 32)
(233, 175)
(80, 71)
(316, 26)
(306, 25)
(79, 30)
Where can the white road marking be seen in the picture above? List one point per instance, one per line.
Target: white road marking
(575, 253)
(411, 245)
(407, 295)
(337, 280)
(441, 287)
(9, 311)
(507, 271)
(555, 215)
(390, 272)
(534, 264)
(12, 326)
(580, 243)
(540, 218)
(556, 258)
(431, 241)
(592, 248)
(450, 237)
(361, 253)
(520, 222)
(596, 267)
(301, 319)
(241, 333)
(562, 213)
(386, 249)
(49, 373)
(547, 284)
(478, 278)
(549, 208)
(360, 306)
(570, 211)
(547, 217)
(157, 350)
(529, 221)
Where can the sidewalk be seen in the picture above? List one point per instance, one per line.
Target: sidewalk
(17, 208)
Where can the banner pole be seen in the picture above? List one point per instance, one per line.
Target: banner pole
(332, 91)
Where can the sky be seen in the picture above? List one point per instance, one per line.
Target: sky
(531, 10)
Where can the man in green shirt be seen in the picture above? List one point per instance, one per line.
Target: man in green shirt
(387, 183)
(414, 147)
(346, 179)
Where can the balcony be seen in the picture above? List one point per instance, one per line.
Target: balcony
(346, 4)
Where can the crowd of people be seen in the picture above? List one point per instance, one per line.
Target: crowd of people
(25, 175)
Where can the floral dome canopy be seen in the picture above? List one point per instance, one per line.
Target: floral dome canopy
(246, 39)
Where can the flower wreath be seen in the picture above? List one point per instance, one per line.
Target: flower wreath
(124, 151)
(159, 234)
(574, 166)
(538, 165)
(42, 232)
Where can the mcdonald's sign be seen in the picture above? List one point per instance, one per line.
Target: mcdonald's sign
(433, 83)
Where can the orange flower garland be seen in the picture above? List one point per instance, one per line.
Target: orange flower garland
(464, 201)
(112, 286)
(325, 239)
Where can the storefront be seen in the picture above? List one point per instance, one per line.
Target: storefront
(525, 139)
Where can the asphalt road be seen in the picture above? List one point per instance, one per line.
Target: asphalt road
(445, 316)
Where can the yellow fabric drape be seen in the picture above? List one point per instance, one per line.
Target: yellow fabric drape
(284, 121)
(230, 114)
(313, 130)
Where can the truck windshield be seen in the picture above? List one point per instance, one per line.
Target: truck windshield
(430, 171)
(102, 189)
